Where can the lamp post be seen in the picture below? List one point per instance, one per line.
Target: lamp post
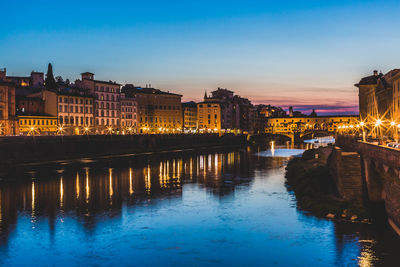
(362, 129)
(378, 127)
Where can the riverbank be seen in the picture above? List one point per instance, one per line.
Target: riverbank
(19, 151)
(315, 190)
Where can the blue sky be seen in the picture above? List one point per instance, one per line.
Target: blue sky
(300, 53)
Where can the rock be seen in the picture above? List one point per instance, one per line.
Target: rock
(354, 217)
(330, 216)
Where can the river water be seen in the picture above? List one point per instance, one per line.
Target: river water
(227, 208)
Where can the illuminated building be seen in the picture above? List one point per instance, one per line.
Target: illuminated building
(128, 114)
(37, 124)
(189, 112)
(376, 94)
(396, 97)
(8, 121)
(379, 102)
(157, 111)
(75, 110)
(36, 79)
(237, 114)
(209, 116)
(107, 101)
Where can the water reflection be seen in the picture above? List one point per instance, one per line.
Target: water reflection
(249, 205)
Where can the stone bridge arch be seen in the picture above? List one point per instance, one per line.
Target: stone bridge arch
(314, 132)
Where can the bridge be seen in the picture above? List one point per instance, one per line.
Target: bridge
(375, 176)
(297, 128)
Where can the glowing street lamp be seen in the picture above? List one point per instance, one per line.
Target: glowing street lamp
(32, 130)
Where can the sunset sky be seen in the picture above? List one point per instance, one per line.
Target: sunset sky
(300, 53)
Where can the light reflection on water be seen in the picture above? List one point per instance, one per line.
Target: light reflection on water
(229, 208)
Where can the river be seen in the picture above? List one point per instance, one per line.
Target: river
(226, 208)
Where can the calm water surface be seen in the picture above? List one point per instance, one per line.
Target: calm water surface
(192, 209)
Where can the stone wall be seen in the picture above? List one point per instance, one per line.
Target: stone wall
(50, 148)
(380, 173)
(345, 168)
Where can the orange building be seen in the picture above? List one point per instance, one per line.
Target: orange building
(157, 111)
(209, 116)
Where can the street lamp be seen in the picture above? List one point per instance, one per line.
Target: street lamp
(362, 128)
(377, 126)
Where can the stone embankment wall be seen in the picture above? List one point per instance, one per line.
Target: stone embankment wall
(345, 168)
(379, 169)
(49, 148)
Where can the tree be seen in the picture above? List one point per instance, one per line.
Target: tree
(50, 83)
(59, 79)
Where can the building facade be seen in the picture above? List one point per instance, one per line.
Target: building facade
(157, 111)
(8, 120)
(75, 111)
(30, 105)
(106, 104)
(37, 124)
(237, 114)
(209, 117)
(128, 114)
(35, 80)
(189, 112)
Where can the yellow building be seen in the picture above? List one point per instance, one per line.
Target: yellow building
(302, 124)
(37, 124)
(209, 117)
(189, 111)
(157, 111)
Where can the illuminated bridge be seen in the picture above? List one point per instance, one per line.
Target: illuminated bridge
(302, 127)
